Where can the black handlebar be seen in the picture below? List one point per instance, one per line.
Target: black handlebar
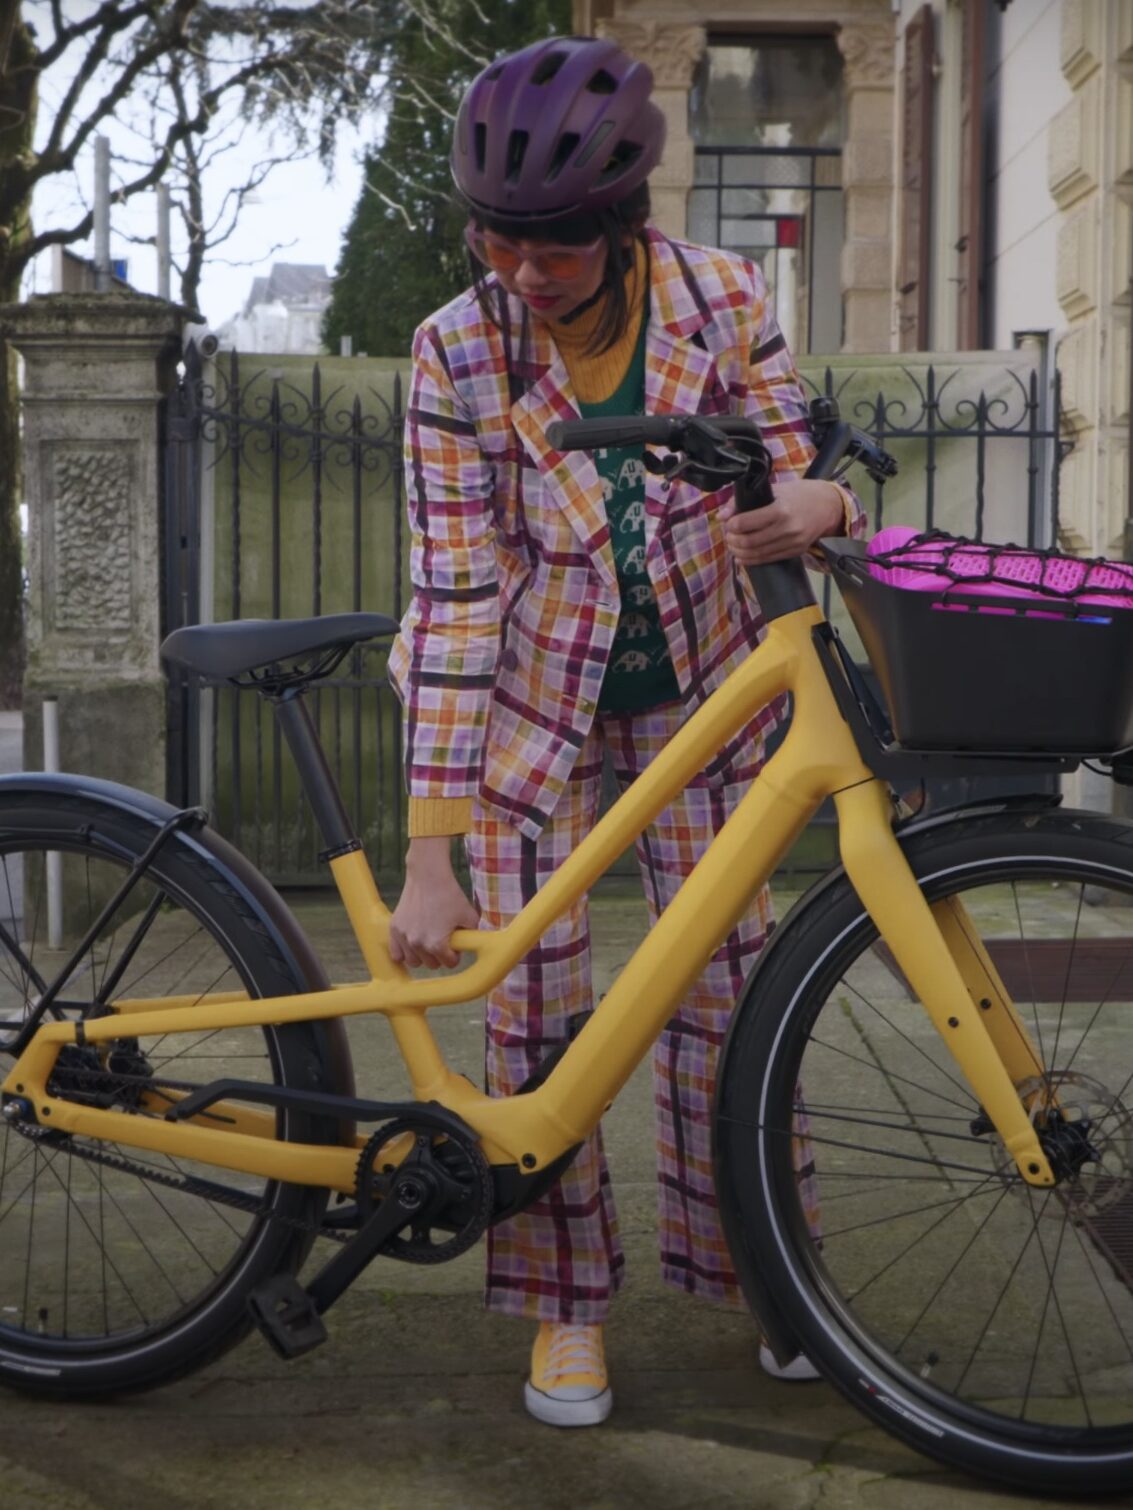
(714, 451)
(639, 430)
(705, 439)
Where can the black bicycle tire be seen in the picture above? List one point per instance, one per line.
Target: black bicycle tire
(825, 930)
(275, 1244)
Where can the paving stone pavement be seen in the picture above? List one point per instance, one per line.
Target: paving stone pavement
(416, 1400)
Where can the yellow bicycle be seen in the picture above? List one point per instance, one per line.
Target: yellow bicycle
(941, 1026)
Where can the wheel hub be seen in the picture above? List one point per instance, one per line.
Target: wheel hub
(1086, 1132)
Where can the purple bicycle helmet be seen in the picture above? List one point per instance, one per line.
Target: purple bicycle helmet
(564, 127)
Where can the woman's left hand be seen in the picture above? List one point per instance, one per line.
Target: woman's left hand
(804, 510)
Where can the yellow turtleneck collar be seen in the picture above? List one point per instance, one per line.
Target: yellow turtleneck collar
(596, 377)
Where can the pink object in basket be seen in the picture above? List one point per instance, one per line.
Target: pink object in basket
(1000, 571)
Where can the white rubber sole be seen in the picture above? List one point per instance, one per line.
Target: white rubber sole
(800, 1370)
(588, 1412)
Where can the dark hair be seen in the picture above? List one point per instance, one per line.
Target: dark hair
(627, 216)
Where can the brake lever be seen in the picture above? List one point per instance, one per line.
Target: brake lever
(708, 461)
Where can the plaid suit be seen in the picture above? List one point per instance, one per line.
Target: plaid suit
(502, 652)
(499, 665)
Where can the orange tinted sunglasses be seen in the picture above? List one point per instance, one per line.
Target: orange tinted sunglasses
(562, 263)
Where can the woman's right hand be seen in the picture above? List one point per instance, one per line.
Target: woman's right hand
(431, 906)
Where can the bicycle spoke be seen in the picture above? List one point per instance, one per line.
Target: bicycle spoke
(871, 1064)
(1054, 1299)
(916, 1047)
(920, 1238)
(951, 1202)
(1054, 1060)
(111, 977)
(948, 1274)
(999, 1301)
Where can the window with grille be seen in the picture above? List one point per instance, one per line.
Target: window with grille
(767, 118)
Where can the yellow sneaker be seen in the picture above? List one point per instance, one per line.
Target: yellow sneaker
(568, 1384)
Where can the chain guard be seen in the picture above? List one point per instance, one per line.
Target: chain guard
(461, 1172)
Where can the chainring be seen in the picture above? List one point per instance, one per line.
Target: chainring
(460, 1170)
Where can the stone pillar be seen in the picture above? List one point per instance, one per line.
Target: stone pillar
(867, 181)
(96, 367)
(1090, 172)
(672, 52)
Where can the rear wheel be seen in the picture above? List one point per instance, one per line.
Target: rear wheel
(987, 1323)
(116, 1269)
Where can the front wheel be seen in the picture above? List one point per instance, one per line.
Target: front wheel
(987, 1323)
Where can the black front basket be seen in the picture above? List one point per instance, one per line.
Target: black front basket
(1030, 677)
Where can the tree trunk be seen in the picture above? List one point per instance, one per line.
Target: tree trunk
(17, 127)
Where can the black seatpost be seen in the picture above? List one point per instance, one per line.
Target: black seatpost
(318, 783)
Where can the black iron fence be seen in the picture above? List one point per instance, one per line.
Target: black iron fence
(284, 498)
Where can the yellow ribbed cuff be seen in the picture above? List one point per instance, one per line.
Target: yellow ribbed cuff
(433, 816)
(849, 512)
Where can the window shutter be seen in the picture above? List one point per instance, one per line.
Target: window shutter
(970, 246)
(916, 182)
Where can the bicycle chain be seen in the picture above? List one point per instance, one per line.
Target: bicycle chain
(187, 1184)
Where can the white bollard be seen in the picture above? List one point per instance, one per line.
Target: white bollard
(54, 858)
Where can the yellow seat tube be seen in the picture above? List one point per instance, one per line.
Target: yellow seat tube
(882, 878)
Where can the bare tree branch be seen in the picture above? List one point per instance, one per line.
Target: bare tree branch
(54, 157)
(113, 15)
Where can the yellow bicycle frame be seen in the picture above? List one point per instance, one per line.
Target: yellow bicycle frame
(936, 947)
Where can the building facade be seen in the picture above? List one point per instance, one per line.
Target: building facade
(919, 177)
(283, 313)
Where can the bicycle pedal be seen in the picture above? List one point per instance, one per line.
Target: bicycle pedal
(286, 1315)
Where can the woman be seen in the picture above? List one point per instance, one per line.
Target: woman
(567, 609)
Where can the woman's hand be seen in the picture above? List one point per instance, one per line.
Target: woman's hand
(805, 509)
(432, 904)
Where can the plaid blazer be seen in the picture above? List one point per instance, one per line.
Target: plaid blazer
(502, 651)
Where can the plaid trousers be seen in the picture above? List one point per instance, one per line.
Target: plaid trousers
(561, 1260)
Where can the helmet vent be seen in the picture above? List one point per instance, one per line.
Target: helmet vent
(592, 146)
(479, 144)
(624, 155)
(548, 67)
(602, 83)
(493, 73)
(563, 152)
(516, 151)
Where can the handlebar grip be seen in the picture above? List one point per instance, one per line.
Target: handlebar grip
(613, 430)
(670, 430)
